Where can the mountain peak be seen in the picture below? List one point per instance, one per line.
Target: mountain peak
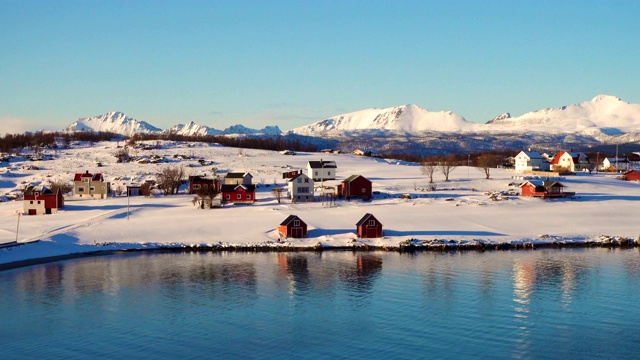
(114, 122)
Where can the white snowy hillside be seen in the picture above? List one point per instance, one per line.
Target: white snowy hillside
(114, 122)
(603, 114)
(407, 118)
(241, 129)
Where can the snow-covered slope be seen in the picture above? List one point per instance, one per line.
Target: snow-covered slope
(603, 114)
(114, 122)
(407, 118)
(241, 129)
(193, 129)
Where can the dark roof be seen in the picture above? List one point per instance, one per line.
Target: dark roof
(290, 218)
(237, 174)
(365, 218)
(353, 177)
(43, 190)
(199, 178)
(322, 164)
(94, 177)
(232, 188)
(297, 176)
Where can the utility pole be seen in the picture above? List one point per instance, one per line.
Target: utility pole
(18, 227)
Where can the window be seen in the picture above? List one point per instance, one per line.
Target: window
(329, 173)
(228, 197)
(372, 223)
(31, 202)
(80, 188)
(38, 202)
(85, 180)
(306, 180)
(238, 196)
(296, 222)
(299, 181)
(196, 186)
(248, 196)
(303, 190)
(364, 190)
(92, 188)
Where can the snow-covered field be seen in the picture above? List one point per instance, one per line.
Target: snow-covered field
(458, 212)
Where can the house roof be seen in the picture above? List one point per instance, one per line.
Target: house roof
(197, 178)
(533, 154)
(232, 188)
(94, 177)
(619, 160)
(299, 175)
(367, 217)
(322, 164)
(533, 182)
(290, 218)
(353, 177)
(237, 174)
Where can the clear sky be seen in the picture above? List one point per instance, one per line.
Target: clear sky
(291, 63)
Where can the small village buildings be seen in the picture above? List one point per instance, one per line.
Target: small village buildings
(301, 188)
(134, 190)
(632, 175)
(241, 193)
(197, 183)
(544, 189)
(369, 227)
(293, 227)
(570, 161)
(528, 161)
(355, 186)
(40, 200)
(236, 178)
(615, 164)
(322, 170)
(90, 186)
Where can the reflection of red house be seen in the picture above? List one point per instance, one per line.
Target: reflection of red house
(242, 193)
(369, 227)
(197, 183)
(39, 200)
(544, 189)
(355, 186)
(632, 175)
(293, 227)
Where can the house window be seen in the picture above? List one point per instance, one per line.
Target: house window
(38, 202)
(329, 173)
(299, 181)
(31, 202)
(85, 180)
(196, 186)
(372, 223)
(364, 190)
(80, 188)
(306, 180)
(228, 197)
(303, 189)
(296, 222)
(92, 188)
(316, 173)
(238, 196)
(248, 196)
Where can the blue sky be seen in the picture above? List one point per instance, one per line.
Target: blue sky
(291, 63)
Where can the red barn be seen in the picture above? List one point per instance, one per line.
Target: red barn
(293, 227)
(369, 227)
(544, 189)
(632, 175)
(241, 193)
(40, 200)
(355, 186)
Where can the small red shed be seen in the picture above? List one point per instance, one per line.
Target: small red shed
(355, 186)
(242, 193)
(369, 227)
(293, 227)
(632, 175)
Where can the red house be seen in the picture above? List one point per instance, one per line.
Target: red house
(355, 186)
(632, 175)
(39, 200)
(369, 227)
(197, 183)
(241, 193)
(293, 227)
(544, 189)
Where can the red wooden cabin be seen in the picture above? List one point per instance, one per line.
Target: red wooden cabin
(544, 189)
(355, 186)
(632, 175)
(40, 200)
(196, 183)
(369, 227)
(242, 193)
(293, 227)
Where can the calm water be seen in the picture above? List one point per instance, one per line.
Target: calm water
(577, 303)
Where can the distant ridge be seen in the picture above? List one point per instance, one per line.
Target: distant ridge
(114, 122)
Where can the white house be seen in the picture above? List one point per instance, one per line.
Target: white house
(300, 188)
(238, 178)
(571, 161)
(527, 161)
(618, 164)
(322, 170)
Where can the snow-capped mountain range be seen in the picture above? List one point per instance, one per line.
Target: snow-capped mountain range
(602, 119)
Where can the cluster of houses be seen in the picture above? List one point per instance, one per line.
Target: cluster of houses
(367, 228)
(566, 161)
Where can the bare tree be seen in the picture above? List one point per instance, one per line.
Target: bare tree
(204, 197)
(145, 188)
(446, 164)
(428, 168)
(63, 185)
(170, 179)
(486, 162)
(277, 192)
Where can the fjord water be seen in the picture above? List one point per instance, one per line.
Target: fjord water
(571, 303)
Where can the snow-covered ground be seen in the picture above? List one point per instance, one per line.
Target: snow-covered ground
(460, 210)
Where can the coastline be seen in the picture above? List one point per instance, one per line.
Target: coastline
(409, 246)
